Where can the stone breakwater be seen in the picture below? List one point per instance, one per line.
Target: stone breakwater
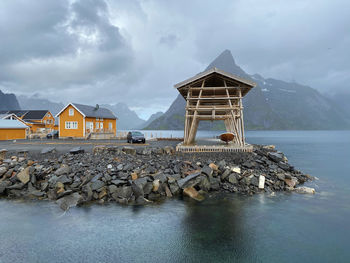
(128, 175)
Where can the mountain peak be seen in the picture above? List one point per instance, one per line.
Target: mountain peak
(226, 62)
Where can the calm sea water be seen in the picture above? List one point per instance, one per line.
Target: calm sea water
(283, 228)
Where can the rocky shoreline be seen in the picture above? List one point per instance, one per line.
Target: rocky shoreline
(128, 175)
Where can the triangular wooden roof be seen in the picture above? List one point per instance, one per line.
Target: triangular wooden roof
(208, 72)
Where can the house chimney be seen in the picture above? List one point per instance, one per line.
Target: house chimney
(97, 107)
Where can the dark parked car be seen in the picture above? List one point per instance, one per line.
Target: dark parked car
(53, 134)
(135, 136)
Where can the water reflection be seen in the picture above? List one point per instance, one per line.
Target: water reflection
(214, 232)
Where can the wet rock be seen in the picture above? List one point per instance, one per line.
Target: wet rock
(69, 201)
(17, 186)
(192, 193)
(184, 181)
(24, 176)
(141, 182)
(214, 183)
(167, 191)
(173, 186)
(76, 150)
(141, 200)
(137, 190)
(291, 182)
(123, 192)
(305, 190)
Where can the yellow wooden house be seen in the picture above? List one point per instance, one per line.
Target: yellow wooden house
(83, 121)
(12, 129)
(38, 120)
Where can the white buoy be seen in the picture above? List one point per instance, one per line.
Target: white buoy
(261, 182)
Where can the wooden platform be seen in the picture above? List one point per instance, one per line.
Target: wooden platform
(213, 148)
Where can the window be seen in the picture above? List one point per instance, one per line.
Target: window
(71, 112)
(97, 125)
(101, 125)
(110, 126)
(69, 125)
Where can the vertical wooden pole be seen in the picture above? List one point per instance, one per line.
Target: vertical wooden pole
(241, 116)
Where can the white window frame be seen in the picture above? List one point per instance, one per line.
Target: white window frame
(97, 125)
(101, 125)
(71, 112)
(110, 126)
(71, 125)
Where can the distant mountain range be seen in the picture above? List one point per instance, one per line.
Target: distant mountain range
(8, 101)
(273, 104)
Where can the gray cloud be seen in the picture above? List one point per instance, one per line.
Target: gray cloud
(134, 51)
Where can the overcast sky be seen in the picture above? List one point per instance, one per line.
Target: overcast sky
(96, 51)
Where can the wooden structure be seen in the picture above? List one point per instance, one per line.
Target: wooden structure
(214, 95)
(86, 122)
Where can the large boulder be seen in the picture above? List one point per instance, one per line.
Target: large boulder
(69, 201)
(76, 150)
(24, 175)
(184, 181)
(305, 190)
(276, 156)
(48, 150)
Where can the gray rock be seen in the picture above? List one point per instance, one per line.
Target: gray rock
(148, 188)
(207, 170)
(120, 167)
(76, 150)
(137, 190)
(24, 176)
(275, 156)
(226, 173)
(141, 200)
(129, 150)
(161, 177)
(214, 183)
(169, 150)
(182, 182)
(232, 179)
(254, 181)
(123, 192)
(48, 150)
(97, 185)
(64, 179)
(118, 182)
(305, 190)
(112, 188)
(87, 191)
(64, 169)
(17, 186)
(174, 187)
(3, 170)
(141, 182)
(69, 201)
